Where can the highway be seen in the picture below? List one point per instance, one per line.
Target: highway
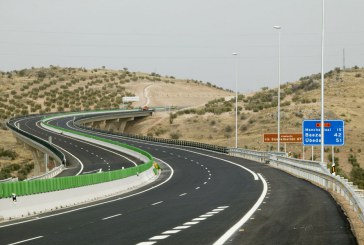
(81, 156)
(198, 198)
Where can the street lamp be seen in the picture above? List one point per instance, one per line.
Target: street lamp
(279, 88)
(322, 82)
(236, 99)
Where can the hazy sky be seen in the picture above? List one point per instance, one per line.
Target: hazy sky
(187, 39)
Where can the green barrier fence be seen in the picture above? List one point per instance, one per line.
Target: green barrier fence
(22, 188)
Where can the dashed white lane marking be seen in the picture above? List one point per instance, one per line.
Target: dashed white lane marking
(197, 188)
(146, 243)
(191, 223)
(204, 183)
(206, 215)
(27, 240)
(217, 209)
(246, 217)
(160, 237)
(199, 219)
(113, 216)
(171, 232)
(183, 194)
(156, 203)
(186, 225)
(182, 227)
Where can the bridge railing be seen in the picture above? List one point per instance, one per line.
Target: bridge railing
(312, 171)
(50, 174)
(45, 145)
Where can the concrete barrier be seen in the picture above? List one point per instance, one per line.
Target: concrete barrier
(50, 201)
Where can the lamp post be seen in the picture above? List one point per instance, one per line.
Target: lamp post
(322, 82)
(279, 88)
(236, 99)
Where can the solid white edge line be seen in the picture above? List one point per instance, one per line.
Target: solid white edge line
(27, 240)
(79, 161)
(103, 147)
(182, 149)
(97, 204)
(246, 217)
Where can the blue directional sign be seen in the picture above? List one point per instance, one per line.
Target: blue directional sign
(333, 136)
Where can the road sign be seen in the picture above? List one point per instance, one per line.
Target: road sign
(333, 132)
(285, 138)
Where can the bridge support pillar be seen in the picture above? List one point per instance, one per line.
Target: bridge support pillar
(97, 124)
(117, 125)
(40, 161)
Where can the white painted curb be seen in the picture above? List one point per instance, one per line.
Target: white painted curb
(50, 201)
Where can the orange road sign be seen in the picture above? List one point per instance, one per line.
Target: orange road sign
(285, 138)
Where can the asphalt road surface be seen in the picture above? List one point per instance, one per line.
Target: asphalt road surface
(198, 198)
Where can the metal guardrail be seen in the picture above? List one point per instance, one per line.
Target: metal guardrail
(51, 174)
(210, 147)
(162, 140)
(59, 156)
(312, 171)
(9, 180)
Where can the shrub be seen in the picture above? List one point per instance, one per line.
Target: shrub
(228, 129)
(174, 136)
(357, 176)
(8, 153)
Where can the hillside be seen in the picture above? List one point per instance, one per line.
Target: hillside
(209, 116)
(57, 89)
(215, 122)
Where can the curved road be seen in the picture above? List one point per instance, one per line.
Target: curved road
(198, 198)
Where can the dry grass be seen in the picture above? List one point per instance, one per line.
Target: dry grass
(344, 99)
